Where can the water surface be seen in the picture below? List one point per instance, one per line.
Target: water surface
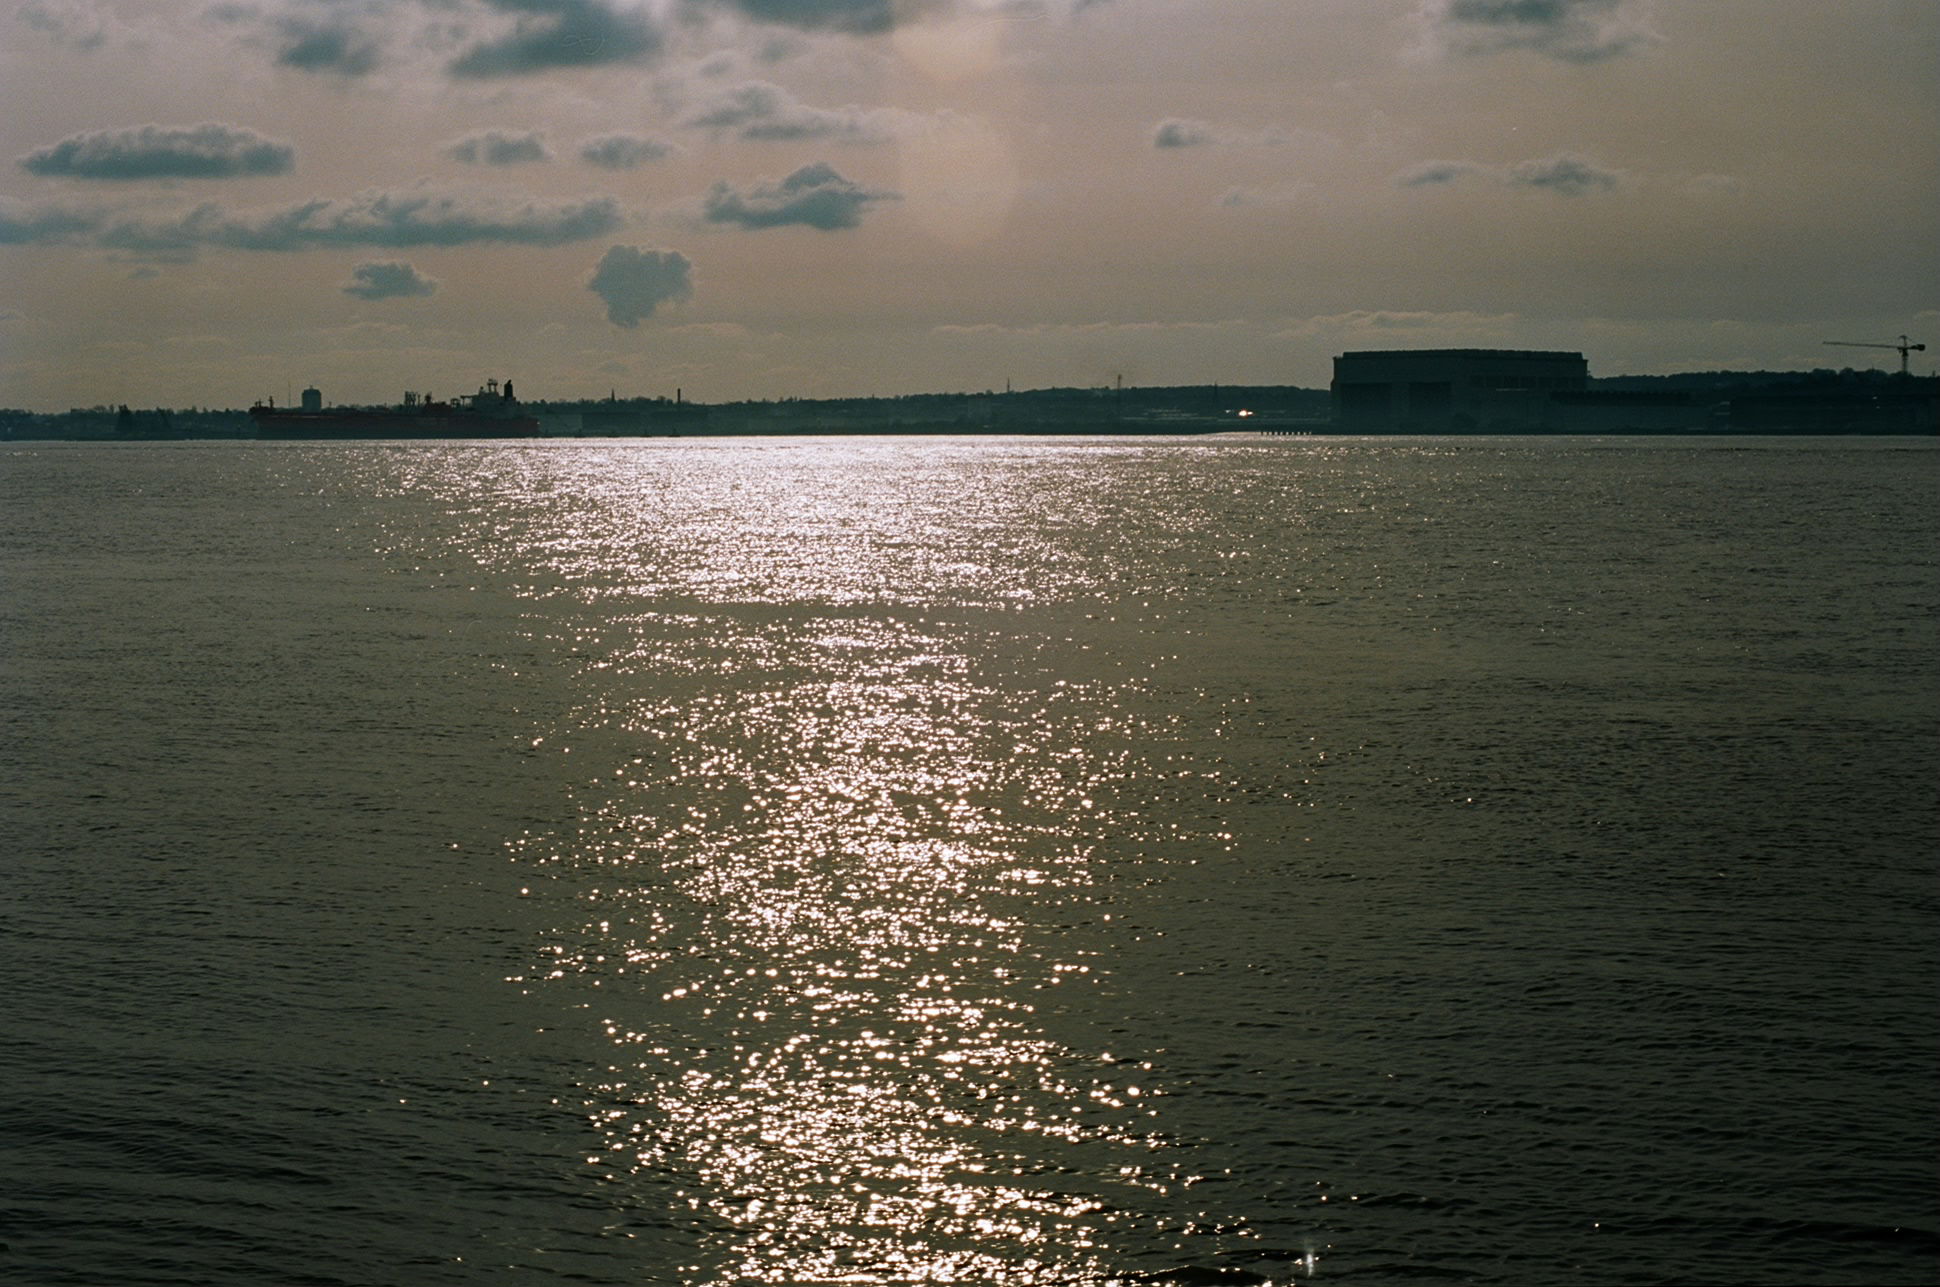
(977, 861)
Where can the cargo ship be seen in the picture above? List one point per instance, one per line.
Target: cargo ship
(489, 413)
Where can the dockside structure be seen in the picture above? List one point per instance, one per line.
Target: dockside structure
(1454, 390)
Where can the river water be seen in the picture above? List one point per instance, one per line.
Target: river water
(1008, 861)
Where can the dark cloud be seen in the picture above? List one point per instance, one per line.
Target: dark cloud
(561, 33)
(388, 219)
(208, 151)
(873, 17)
(389, 280)
(622, 151)
(65, 23)
(394, 220)
(1177, 132)
(814, 196)
(1577, 31)
(760, 112)
(1436, 173)
(634, 282)
(322, 36)
(424, 218)
(327, 49)
(1276, 194)
(1184, 132)
(856, 17)
(25, 224)
(1566, 175)
(500, 147)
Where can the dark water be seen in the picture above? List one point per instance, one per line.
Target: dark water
(1002, 862)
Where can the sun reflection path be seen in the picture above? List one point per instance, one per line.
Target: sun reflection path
(838, 893)
(834, 901)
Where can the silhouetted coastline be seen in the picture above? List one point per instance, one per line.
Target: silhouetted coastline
(1715, 402)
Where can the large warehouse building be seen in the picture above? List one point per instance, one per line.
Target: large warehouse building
(1454, 390)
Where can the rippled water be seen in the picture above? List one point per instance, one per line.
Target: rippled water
(996, 862)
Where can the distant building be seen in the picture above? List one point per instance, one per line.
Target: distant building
(1636, 411)
(1454, 390)
(1902, 404)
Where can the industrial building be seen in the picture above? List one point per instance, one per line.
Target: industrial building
(1455, 390)
(1520, 391)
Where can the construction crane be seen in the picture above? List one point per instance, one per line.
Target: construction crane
(1902, 346)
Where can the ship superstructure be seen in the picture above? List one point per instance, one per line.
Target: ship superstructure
(492, 412)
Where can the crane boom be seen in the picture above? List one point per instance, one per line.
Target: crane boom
(1903, 347)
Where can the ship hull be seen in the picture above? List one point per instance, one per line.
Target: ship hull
(328, 425)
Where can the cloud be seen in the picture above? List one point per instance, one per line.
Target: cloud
(760, 112)
(874, 17)
(551, 34)
(1185, 132)
(336, 49)
(634, 282)
(1431, 174)
(208, 151)
(855, 17)
(1417, 325)
(341, 44)
(27, 224)
(1177, 132)
(389, 219)
(72, 23)
(1573, 31)
(1714, 185)
(814, 196)
(419, 217)
(1277, 194)
(499, 147)
(1086, 330)
(389, 280)
(622, 151)
(1564, 173)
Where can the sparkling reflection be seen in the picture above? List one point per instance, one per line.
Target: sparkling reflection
(841, 891)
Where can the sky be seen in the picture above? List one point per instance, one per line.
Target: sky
(212, 202)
